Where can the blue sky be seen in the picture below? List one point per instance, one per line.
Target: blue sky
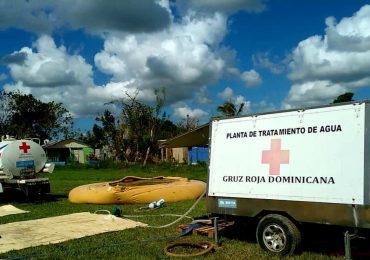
(269, 55)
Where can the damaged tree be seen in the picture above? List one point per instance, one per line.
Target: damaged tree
(140, 123)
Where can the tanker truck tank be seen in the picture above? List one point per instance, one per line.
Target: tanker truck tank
(20, 163)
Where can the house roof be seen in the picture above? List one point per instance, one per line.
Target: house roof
(196, 137)
(67, 143)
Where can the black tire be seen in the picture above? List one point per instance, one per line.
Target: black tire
(278, 235)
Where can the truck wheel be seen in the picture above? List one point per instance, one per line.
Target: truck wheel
(278, 235)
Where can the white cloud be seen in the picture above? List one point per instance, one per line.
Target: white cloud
(251, 78)
(51, 74)
(247, 104)
(262, 60)
(226, 94)
(321, 68)
(48, 72)
(50, 66)
(202, 97)
(182, 111)
(313, 93)
(181, 59)
(184, 55)
(352, 31)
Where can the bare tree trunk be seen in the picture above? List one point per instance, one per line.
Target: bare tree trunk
(146, 155)
(151, 141)
(137, 152)
(128, 155)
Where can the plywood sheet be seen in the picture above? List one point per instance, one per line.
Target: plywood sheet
(10, 210)
(19, 235)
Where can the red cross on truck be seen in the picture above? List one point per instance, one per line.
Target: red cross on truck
(24, 147)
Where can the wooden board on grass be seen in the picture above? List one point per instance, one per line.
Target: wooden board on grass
(19, 235)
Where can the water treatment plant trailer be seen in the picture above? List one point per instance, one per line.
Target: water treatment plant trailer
(292, 167)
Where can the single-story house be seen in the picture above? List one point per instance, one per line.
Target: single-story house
(68, 150)
(190, 147)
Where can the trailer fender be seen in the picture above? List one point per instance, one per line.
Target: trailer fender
(263, 213)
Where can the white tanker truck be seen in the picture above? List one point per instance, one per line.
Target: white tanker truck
(20, 163)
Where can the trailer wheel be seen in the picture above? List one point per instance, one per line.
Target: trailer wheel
(278, 235)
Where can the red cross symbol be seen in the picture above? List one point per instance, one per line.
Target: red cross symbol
(275, 157)
(24, 147)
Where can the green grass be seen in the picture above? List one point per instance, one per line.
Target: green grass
(138, 243)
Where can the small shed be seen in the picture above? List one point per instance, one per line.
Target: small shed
(68, 150)
(190, 147)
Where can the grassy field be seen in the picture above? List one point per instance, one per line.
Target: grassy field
(138, 243)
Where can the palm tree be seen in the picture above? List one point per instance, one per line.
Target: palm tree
(228, 108)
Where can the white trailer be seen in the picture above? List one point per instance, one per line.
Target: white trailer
(290, 167)
(20, 163)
